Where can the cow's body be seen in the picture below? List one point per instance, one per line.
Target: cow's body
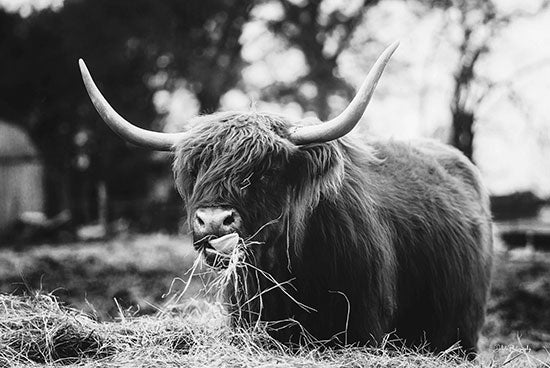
(378, 237)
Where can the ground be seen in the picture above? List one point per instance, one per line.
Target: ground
(136, 271)
(141, 275)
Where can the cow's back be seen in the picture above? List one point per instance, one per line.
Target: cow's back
(438, 211)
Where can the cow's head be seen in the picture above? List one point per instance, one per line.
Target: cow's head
(241, 174)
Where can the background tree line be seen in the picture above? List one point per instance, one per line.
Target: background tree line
(135, 48)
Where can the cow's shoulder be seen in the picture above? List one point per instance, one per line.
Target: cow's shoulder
(424, 157)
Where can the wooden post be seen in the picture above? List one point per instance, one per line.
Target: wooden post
(103, 205)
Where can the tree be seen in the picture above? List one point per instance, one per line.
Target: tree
(480, 22)
(129, 45)
(321, 35)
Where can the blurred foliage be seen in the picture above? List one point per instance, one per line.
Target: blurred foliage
(479, 23)
(133, 48)
(321, 38)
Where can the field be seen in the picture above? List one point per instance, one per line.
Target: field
(127, 309)
(136, 271)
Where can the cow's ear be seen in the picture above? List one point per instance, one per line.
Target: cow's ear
(317, 170)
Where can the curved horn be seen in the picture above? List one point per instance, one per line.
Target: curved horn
(346, 121)
(140, 137)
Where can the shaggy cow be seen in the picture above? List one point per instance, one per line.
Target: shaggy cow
(343, 240)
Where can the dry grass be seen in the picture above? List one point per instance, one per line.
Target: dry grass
(37, 331)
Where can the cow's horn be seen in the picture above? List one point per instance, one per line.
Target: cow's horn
(122, 127)
(346, 121)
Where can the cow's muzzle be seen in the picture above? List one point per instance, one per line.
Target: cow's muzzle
(216, 231)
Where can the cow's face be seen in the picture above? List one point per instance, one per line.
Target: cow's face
(233, 173)
(241, 178)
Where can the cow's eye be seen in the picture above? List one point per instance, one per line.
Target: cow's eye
(264, 178)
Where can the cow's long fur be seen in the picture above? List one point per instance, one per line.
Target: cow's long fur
(377, 237)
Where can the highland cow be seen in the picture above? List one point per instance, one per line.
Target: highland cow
(344, 240)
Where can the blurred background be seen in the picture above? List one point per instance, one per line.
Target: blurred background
(472, 73)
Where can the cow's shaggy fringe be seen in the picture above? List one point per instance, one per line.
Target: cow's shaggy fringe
(37, 331)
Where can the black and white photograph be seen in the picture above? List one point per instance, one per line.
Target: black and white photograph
(275, 183)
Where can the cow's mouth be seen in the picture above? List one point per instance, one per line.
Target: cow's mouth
(217, 251)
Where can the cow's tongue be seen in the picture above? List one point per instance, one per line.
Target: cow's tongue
(226, 243)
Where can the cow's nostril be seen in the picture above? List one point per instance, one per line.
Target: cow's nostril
(229, 220)
(200, 221)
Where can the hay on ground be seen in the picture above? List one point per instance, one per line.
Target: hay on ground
(36, 330)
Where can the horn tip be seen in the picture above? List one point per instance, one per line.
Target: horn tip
(82, 65)
(395, 44)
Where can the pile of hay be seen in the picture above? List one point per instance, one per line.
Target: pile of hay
(36, 330)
